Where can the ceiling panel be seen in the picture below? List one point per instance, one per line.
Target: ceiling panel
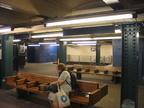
(26, 10)
(50, 9)
(21, 5)
(8, 17)
(132, 3)
(74, 4)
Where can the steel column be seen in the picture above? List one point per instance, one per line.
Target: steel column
(142, 70)
(97, 54)
(7, 58)
(129, 86)
(61, 53)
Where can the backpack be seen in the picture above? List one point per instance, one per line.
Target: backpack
(73, 83)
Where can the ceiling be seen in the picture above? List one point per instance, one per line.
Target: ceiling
(29, 10)
(31, 15)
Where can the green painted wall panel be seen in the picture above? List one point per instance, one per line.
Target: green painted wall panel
(7, 58)
(61, 55)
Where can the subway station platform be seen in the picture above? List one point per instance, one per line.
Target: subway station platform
(112, 100)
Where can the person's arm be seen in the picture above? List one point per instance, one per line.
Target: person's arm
(59, 81)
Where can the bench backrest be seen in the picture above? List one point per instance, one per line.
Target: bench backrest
(36, 77)
(87, 86)
(115, 69)
(100, 68)
(77, 66)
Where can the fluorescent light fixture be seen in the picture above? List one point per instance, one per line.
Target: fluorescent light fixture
(111, 1)
(2, 5)
(89, 20)
(16, 40)
(54, 44)
(104, 38)
(47, 43)
(5, 29)
(85, 42)
(33, 45)
(137, 34)
(74, 39)
(117, 30)
(55, 34)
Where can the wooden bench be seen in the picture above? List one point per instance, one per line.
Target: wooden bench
(27, 83)
(88, 96)
(99, 68)
(115, 72)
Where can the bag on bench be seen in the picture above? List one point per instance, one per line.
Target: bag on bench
(50, 88)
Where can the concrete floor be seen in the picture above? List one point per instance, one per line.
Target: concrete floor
(112, 100)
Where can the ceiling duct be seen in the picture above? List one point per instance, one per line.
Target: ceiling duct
(22, 36)
(90, 30)
(34, 23)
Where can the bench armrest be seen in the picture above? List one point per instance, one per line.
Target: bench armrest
(32, 84)
(104, 90)
(21, 81)
(41, 86)
(98, 94)
(94, 96)
(10, 79)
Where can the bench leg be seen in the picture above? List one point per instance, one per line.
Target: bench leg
(75, 105)
(116, 79)
(78, 75)
(21, 93)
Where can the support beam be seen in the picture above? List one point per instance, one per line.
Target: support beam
(97, 54)
(129, 88)
(61, 53)
(117, 52)
(142, 65)
(7, 58)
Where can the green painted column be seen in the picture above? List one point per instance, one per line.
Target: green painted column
(61, 53)
(142, 79)
(129, 84)
(98, 55)
(7, 58)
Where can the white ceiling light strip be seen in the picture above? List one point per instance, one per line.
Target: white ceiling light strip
(92, 19)
(111, 1)
(2, 5)
(16, 40)
(58, 34)
(54, 44)
(85, 42)
(104, 38)
(95, 38)
(74, 39)
(48, 43)
(5, 29)
(33, 45)
(117, 30)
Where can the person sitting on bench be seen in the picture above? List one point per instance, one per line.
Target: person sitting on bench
(64, 77)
